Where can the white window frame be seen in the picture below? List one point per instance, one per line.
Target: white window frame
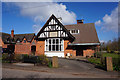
(76, 31)
(60, 45)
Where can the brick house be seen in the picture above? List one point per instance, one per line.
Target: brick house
(55, 39)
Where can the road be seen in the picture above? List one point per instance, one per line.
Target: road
(67, 69)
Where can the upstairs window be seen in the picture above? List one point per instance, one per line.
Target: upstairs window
(18, 41)
(73, 31)
(24, 41)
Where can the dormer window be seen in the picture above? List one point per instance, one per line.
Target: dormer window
(18, 41)
(8, 40)
(24, 41)
(73, 31)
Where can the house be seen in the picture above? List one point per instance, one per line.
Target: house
(55, 39)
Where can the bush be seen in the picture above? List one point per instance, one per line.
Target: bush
(25, 58)
(94, 60)
(97, 54)
(111, 51)
(50, 64)
(5, 56)
(29, 59)
(42, 59)
(18, 57)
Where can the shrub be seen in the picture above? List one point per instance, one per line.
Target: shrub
(11, 58)
(18, 57)
(50, 64)
(5, 56)
(42, 59)
(111, 51)
(116, 64)
(25, 57)
(87, 56)
(97, 54)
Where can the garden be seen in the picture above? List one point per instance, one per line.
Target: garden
(99, 60)
(40, 60)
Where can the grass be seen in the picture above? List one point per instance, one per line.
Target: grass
(113, 55)
(94, 60)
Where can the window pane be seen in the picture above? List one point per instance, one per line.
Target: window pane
(49, 47)
(50, 41)
(57, 41)
(53, 47)
(53, 41)
(60, 47)
(57, 47)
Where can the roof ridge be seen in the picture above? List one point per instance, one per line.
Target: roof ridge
(78, 24)
(3, 33)
(24, 34)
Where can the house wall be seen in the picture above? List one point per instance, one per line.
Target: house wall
(88, 52)
(23, 48)
(40, 47)
(1, 42)
(68, 50)
(4, 45)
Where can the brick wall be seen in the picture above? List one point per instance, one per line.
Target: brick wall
(23, 48)
(40, 47)
(4, 46)
(66, 50)
(88, 52)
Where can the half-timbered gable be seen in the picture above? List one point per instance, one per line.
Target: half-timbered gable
(54, 29)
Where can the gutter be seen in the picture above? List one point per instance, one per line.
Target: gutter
(82, 44)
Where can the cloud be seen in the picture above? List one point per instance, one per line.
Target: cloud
(98, 22)
(103, 41)
(40, 12)
(36, 28)
(0, 29)
(109, 22)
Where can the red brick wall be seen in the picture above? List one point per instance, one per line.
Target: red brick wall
(4, 46)
(40, 47)
(23, 48)
(66, 50)
(88, 52)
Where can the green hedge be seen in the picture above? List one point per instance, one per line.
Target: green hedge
(25, 58)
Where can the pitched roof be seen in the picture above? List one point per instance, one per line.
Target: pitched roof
(87, 33)
(29, 37)
(59, 23)
(6, 37)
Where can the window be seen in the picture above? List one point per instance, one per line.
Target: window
(18, 41)
(24, 41)
(54, 44)
(74, 31)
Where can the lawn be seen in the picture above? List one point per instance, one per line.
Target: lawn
(113, 55)
(115, 58)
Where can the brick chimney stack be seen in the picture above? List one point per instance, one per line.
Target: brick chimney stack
(12, 33)
(80, 21)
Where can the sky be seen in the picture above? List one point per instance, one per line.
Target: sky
(30, 17)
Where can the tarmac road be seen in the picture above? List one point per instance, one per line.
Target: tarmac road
(67, 69)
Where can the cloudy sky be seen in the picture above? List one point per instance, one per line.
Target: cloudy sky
(29, 17)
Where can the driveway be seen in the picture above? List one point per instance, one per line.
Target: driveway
(67, 69)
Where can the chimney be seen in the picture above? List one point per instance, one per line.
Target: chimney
(12, 33)
(80, 21)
